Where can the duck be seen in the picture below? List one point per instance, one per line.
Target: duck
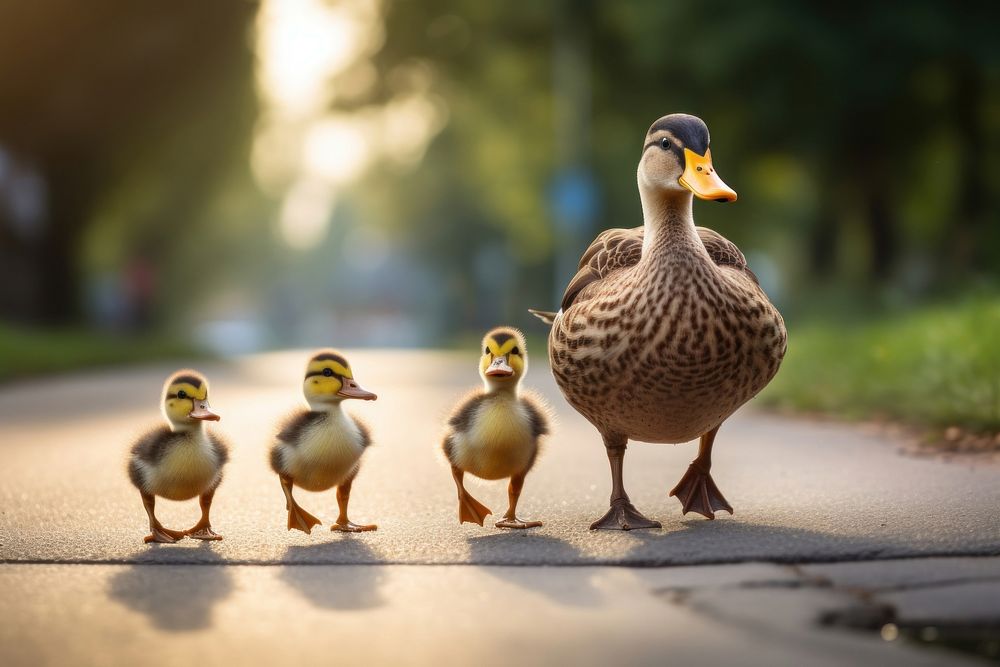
(181, 459)
(664, 331)
(495, 432)
(321, 447)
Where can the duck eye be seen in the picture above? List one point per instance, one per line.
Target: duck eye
(328, 372)
(486, 351)
(665, 143)
(182, 394)
(515, 351)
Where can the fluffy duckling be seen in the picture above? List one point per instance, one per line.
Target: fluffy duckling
(495, 433)
(320, 448)
(182, 459)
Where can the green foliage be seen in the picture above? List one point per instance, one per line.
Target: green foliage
(26, 352)
(937, 366)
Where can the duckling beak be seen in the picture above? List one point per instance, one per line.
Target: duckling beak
(352, 389)
(499, 368)
(203, 412)
(700, 178)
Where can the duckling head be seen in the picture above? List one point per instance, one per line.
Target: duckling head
(329, 380)
(676, 159)
(505, 358)
(185, 400)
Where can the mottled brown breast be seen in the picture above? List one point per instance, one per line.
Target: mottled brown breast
(665, 350)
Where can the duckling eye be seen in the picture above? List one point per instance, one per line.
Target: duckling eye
(486, 351)
(182, 394)
(516, 351)
(328, 372)
(665, 144)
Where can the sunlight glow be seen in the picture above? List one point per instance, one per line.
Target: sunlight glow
(312, 55)
(305, 214)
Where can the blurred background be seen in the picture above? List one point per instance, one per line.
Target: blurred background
(204, 178)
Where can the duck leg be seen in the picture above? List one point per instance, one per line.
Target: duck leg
(203, 529)
(469, 509)
(343, 523)
(510, 519)
(696, 490)
(157, 533)
(623, 515)
(298, 518)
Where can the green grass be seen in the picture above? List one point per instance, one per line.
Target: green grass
(936, 367)
(27, 351)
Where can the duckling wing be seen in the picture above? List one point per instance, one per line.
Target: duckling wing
(537, 415)
(364, 430)
(148, 450)
(289, 435)
(461, 420)
(295, 424)
(612, 250)
(220, 447)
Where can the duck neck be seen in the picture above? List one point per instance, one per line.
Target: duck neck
(332, 408)
(195, 427)
(503, 389)
(668, 219)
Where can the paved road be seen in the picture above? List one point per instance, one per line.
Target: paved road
(804, 492)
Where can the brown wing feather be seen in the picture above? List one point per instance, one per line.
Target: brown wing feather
(613, 249)
(724, 252)
(616, 249)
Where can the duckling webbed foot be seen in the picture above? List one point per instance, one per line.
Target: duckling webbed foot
(623, 516)
(351, 527)
(203, 533)
(471, 510)
(510, 519)
(162, 535)
(203, 529)
(514, 522)
(299, 519)
(698, 492)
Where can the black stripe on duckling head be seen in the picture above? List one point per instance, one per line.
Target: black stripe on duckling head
(690, 130)
(190, 377)
(500, 336)
(329, 355)
(329, 363)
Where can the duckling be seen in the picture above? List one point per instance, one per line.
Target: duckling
(182, 459)
(664, 332)
(320, 448)
(495, 432)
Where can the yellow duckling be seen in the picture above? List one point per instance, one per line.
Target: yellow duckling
(495, 433)
(320, 448)
(180, 460)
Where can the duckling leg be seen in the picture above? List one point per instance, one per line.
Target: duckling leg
(696, 490)
(510, 519)
(623, 515)
(298, 518)
(203, 529)
(469, 509)
(343, 523)
(157, 533)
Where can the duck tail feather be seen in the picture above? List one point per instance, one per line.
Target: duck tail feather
(544, 315)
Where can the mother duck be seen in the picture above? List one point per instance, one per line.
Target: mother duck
(664, 331)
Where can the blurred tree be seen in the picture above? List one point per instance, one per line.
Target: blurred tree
(848, 114)
(97, 97)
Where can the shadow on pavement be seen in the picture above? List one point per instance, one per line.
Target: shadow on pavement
(346, 587)
(728, 541)
(511, 547)
(176, 598)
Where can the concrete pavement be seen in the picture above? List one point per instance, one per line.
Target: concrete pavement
(805, 494)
